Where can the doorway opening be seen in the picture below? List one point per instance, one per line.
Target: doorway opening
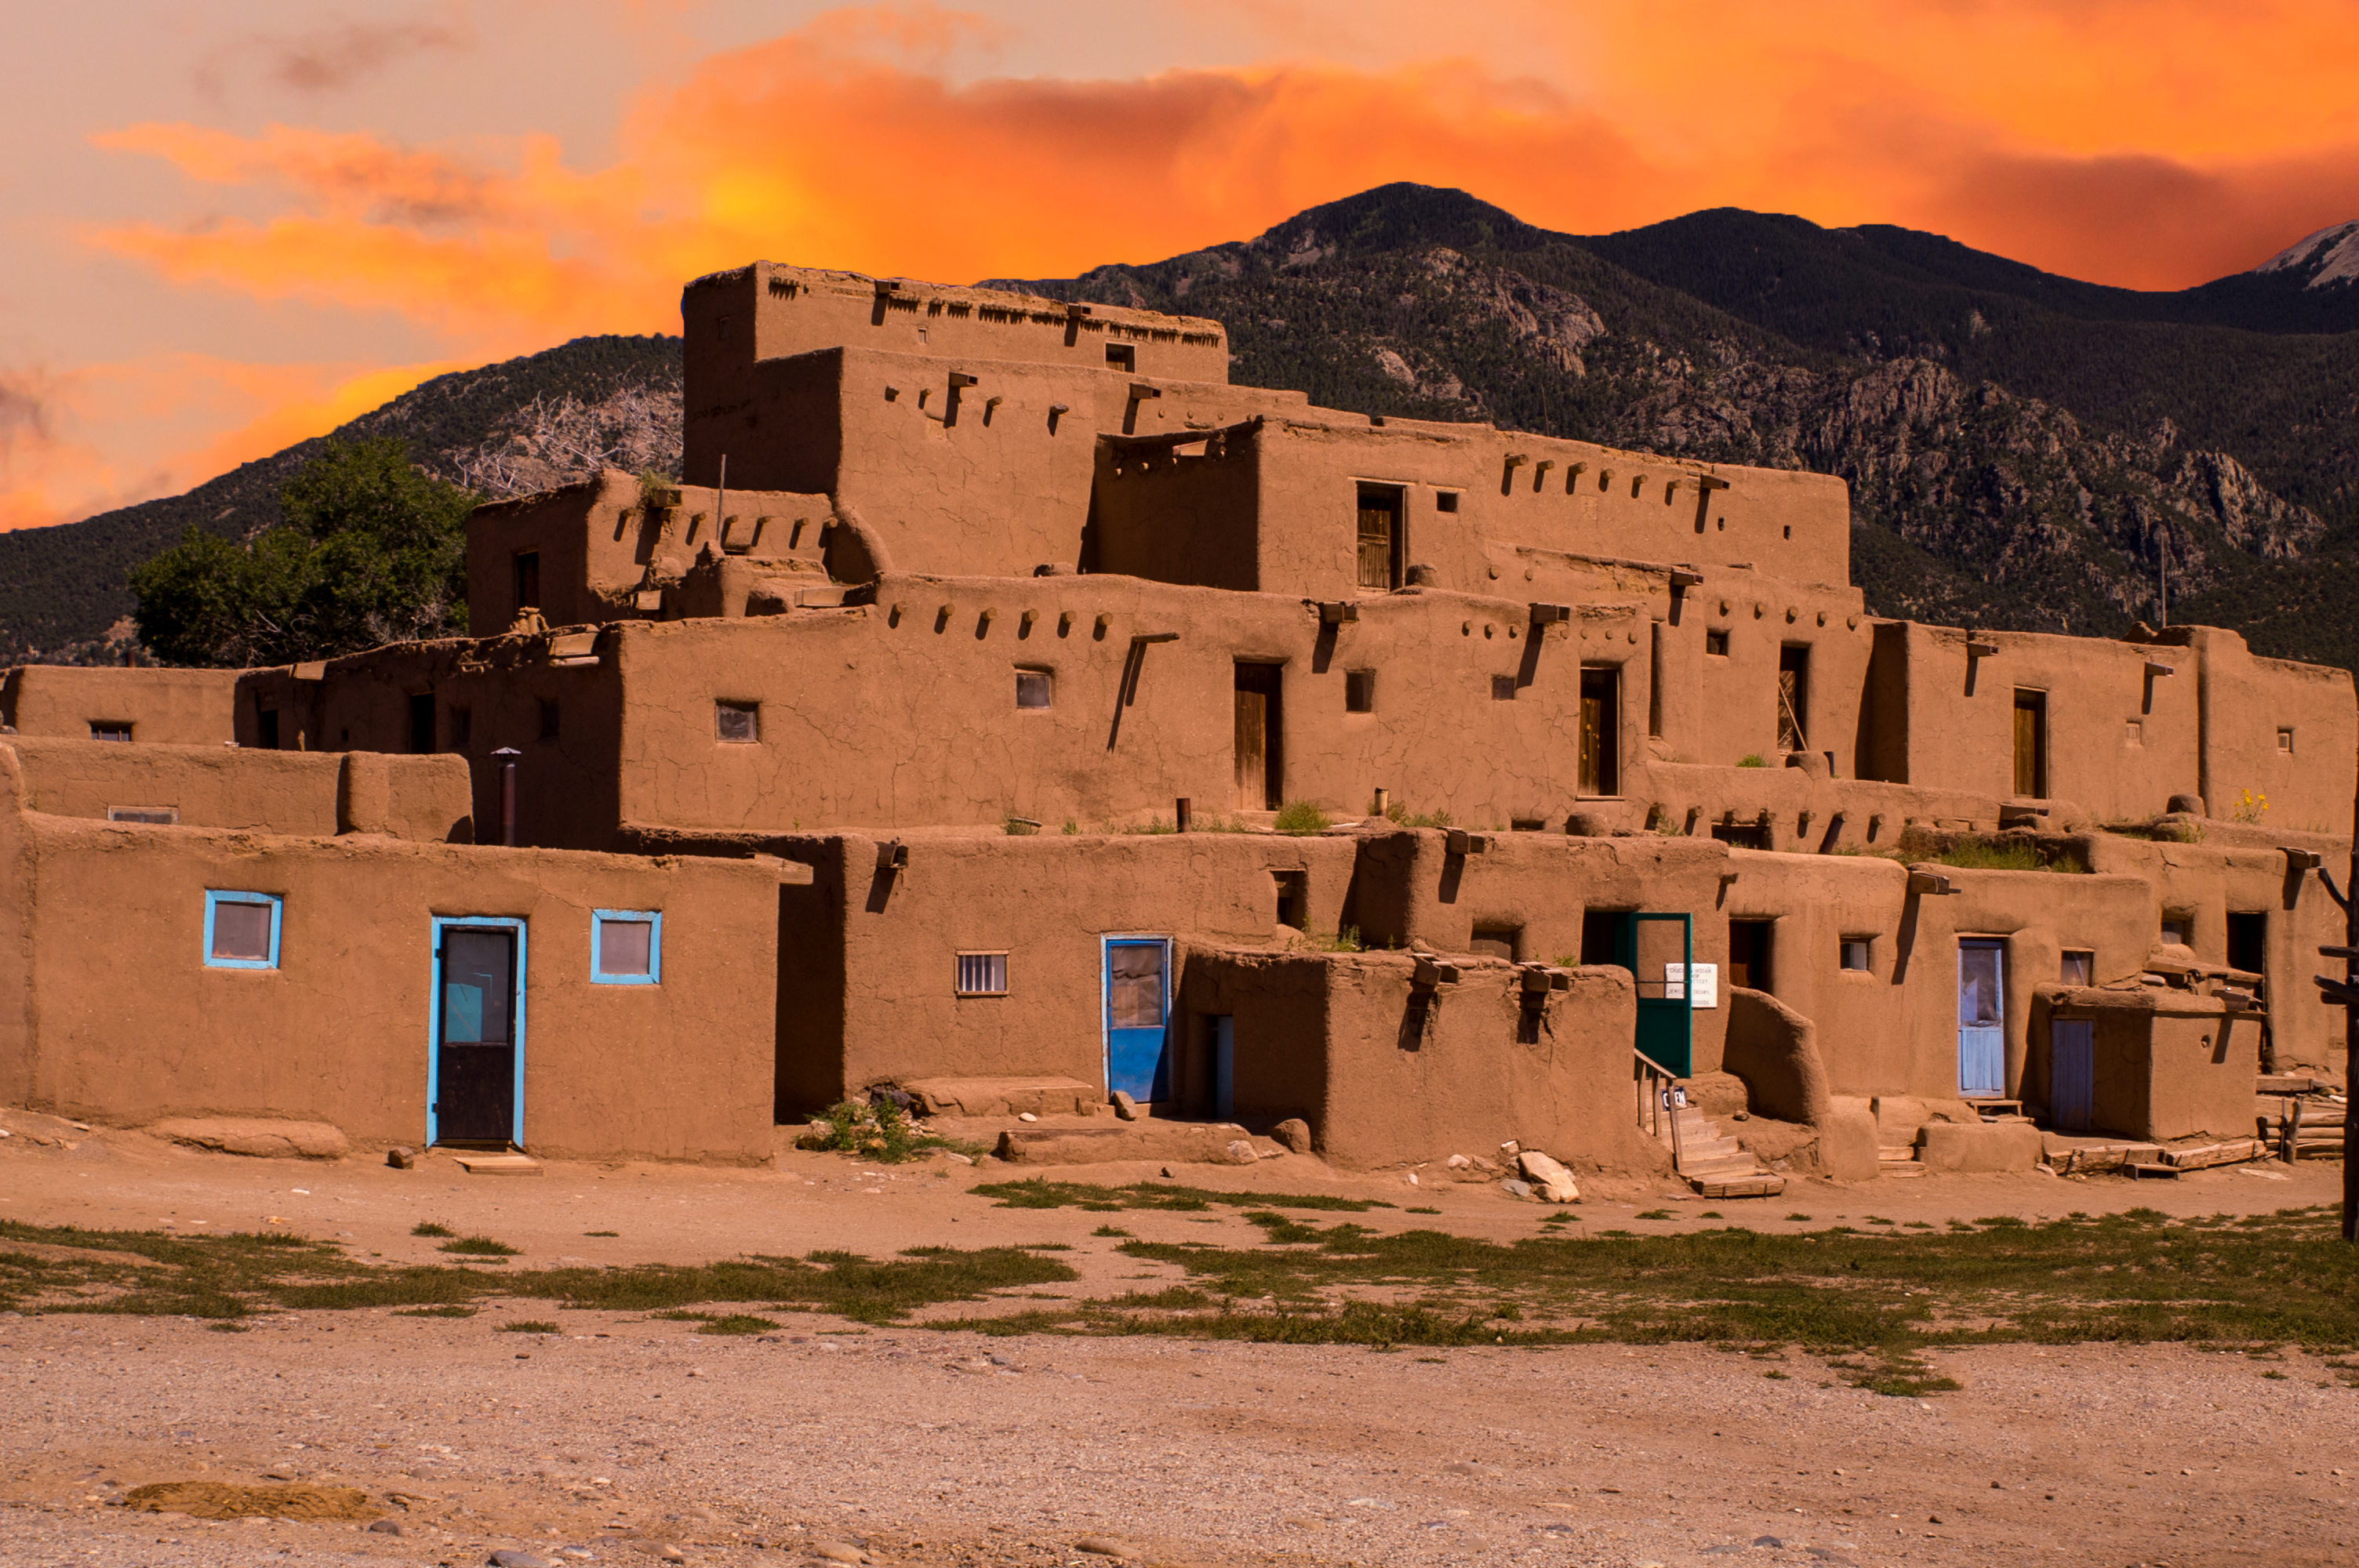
(1601, 732)
(2031, 744)
(1793, 699)
(1982, 1019)
(1748, 954)
(1261, 776)
(1380, 536)
(1137, 1004)
(2249, 942)
(475, 1073)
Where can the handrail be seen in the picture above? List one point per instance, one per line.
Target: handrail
(1655, 1101)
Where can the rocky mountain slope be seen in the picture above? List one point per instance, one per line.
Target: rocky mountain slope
(2024, 450)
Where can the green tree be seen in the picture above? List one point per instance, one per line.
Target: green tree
(373, 551)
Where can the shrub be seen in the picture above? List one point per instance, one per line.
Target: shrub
(1404, 817)
(478, 1247)
(1344, 941)
(1021, 827)
(1750, 760)
(1300, 816)
(881, 1132)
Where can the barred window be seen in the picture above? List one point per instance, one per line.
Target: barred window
(983, 974)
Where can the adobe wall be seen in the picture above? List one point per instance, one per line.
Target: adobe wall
(1385, 1077)
(2168, 1063)
(187, 707)
(127, 1025)
(16, 1027)
(889, 1009)
(566, 784)
(270, 791)
(2280, 730)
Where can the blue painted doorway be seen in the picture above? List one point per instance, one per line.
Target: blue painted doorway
(1982, 1020)
(1137, 1011)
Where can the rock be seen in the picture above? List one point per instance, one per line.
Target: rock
(385, 1527)
(1516, 1189)
(1294, 1133)
(1125, 1107)
(2192, 805)
(1025, 1116)
(521, 1560)
(1549, 1178)
(1510, 1149)
(836, 1552)
(257, 1136)
(1458, 1163)
(672, 1554)
(1241, 1152)
(401, 1159)
(815, 1135)
(1108, 1546)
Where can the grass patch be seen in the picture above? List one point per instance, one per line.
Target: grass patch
(1300, 817)
(739, 1323)
(1420, 1211)
(226, 1278)
(1658, 1213)
(477, 1247)
(528, 1325)
(428, 1228)
(1039, 1193)
(601, 1232)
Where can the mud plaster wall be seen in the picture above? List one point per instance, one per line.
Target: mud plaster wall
(904, 712)
(219, 786)
(2166, 1063)
(1045, 901)
(190, 707)
(128, 1024)
(2246, 701)
(17, 1035)
(1720, 707)
(1384, 1078)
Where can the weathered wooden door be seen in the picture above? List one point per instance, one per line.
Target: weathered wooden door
(2072, 1074)
(1257, 738)
(2031, 744)
(1982, 1020)
(1138, 1003)
(475, 1080)
(1380, 537)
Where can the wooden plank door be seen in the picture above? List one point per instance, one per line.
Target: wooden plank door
(1981, 1021)
(2073, 1075)
(1258, 773)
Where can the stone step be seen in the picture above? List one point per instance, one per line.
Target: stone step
(1902, 1170)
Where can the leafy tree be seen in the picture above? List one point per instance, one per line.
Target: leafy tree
(373, 551)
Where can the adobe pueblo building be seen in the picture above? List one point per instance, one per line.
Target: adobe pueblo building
(1010, 710)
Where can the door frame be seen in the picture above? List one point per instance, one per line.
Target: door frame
(1106, 941)
(434, 1019)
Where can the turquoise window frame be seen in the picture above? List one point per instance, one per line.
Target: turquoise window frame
(653, 918)
(214, 899)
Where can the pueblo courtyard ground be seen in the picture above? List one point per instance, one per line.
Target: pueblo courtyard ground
(284, 1361)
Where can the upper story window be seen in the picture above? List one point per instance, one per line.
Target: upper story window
(527, 579)
(1122, 357)
(2079, 967)
(1445, 501)
(110, 730)
(1033, 688)
(739, 724)
(241, 930)
(626, 948)
(981, 974)
(1359, 691)
(1855, 953)
(1716, 644)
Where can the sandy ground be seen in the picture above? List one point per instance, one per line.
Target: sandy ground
(625, 1436)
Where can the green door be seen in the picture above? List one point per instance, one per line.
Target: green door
(1666, 1007)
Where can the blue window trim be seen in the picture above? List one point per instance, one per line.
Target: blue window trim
(653, 917)
(214, 899)
(434, 1019)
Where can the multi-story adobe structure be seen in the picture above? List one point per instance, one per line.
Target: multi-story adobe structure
(856, 758)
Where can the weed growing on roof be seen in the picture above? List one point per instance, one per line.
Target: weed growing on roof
(1751, 760)
(1344, 941)
(1302, 818)
(1401, 816)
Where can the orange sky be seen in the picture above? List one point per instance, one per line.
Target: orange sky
(2139, 145)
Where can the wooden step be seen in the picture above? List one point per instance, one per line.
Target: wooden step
(2285, 1084)
(1909, 1169)
(1766, 1185)
(2156, 1172)
(2235, 1152)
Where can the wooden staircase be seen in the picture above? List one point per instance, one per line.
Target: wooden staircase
(1708, 1159)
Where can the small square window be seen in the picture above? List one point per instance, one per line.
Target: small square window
(1495, 941)
(626, 948)
(109, 729)
(2134, 732)
(1033, 688)
(548, 719)
(1502, 688)
(1446, 501)
(1855, 953)
(1359, 691)
(983, 974)
(2175, 928)
(2285, 742)
(1121, 356)
(1716, 644)
(155, 815)
(738, 723)
(2078, 968)
(241, 930)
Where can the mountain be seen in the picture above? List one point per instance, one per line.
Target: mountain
(2024, 450)
(504, 429)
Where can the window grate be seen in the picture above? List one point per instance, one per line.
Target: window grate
(983, 974)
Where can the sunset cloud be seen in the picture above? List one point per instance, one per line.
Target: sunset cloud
(2118, 142)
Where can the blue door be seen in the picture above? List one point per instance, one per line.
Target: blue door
(1138, 1002)
(2071, 1075)
(1981, 1021)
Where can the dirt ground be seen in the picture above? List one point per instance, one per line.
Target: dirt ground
(622, 1438)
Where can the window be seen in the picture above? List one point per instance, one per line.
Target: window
(983, 974)
(109, 729)
(626, 948)
(1502, 688)
(1359, 691)
(155, 815)
(1122, 357)
(1380, 536)
(1446, 501)
(241, 930)
(1293, 897)
(1600, 762)
(2078, 968)
(463, 726)
(548, 719)
(2031, 744)
(2134, 735)
(1748, 954)
(266, 726)
(1716, 644)
(1793, 700)
(1495, 942)
(1742, 835)
(2285, 742)
(2175, 928)
(527, 579)
(1855, 954)
(738, 723)
(1033, 688)
(422, 723)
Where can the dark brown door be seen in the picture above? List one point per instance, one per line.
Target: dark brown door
(1600, 733)
(1259, 774)
(1793, 700)
(475, 1036)
(1380, 537)
(2031, 744)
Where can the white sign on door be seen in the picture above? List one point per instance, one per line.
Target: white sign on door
(1707, 984)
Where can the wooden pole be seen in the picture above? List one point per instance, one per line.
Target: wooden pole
(2350, 1016)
